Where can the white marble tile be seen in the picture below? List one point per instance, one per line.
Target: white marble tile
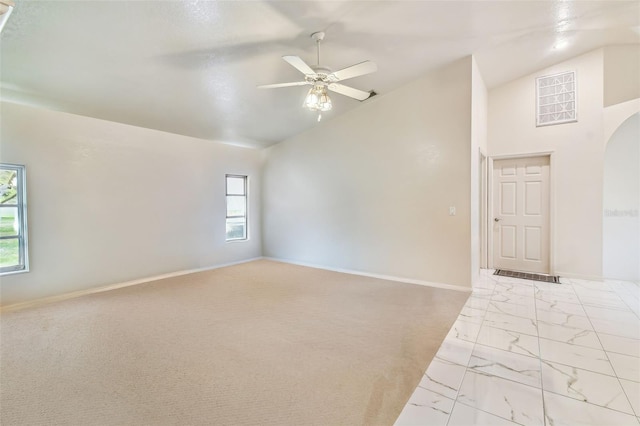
(504, 398)
(463, 415)
(525, 311)
(594, 312)
(584, 385)
(425, 408)
(443, 377)
(620, 345)
(507, 340)
(600, 302)
(477, 302)
(567, 320)
(513, 280)
(580, 284)
(454, 350)
(464, 330)
(482, 292)
(578, 356)
(469, 314)
(630, 329)
(632, 389)
(606, 294)
(510, 322)
(503, 352)
(626, 367)
(484, 283)
(564, 411)
(505, 364)
(554, 287)
(516, 299)
(560, 307)
(574, 336)
(514, 288)
(629, 287)
(554, 296)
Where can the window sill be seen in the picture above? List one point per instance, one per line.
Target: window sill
(18, 271)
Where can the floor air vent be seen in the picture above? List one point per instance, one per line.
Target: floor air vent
(528, 276)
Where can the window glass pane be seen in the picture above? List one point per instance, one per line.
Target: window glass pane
(8, 187)
(236, 205)
(9, 252)
(236, 228)
(235, 185)
(9, 224)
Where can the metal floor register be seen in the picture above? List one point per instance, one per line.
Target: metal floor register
(528, 276)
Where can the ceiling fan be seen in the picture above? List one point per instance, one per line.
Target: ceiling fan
(323, 79)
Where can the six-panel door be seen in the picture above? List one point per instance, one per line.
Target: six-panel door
(521, 214)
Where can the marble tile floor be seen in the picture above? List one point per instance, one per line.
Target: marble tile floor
(533, 353)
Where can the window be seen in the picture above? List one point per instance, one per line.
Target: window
(556, 99)
(13, 219)
(236, 192)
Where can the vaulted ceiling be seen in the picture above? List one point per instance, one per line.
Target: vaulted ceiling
(192, 67)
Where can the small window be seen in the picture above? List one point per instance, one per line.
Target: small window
(13, 219)
(236, 193)
(556, 96)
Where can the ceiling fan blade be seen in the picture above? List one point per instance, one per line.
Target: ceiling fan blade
(360, 95)
(300, 65)
(274, 86)
(356, 70)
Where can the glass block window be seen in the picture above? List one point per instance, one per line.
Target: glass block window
(556, 99)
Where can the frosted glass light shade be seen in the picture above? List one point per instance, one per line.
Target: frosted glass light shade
(317, 99)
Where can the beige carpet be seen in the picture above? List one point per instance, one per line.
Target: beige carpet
(257, 343)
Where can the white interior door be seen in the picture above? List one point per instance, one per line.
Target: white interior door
(521, 214)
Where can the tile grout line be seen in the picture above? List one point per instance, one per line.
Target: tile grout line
(467, 363)
(466, 367)
(636, 313)
(535, 307)
(538, 337)
(610, 363)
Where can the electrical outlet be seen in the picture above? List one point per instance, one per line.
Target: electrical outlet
(452, 211)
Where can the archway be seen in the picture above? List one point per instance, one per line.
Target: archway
(621, 202)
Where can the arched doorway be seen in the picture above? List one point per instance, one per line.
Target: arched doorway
(621, 202)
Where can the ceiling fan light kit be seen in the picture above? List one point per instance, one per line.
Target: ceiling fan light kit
(323, 79)
(317, 99)
(6, 7)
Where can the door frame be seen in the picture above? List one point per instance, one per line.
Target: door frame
(552, 210)
(484, 246)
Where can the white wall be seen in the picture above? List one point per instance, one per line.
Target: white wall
(109, 202)
(621, 199)
(478, 142)
(578, 158)
(370, 190)
(621, 74)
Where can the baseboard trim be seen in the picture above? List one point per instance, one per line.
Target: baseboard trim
(578, 276)
(93, 290)
(380, 276)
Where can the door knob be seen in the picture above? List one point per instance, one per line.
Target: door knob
(495, 219)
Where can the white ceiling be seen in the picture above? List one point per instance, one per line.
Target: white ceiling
(192, 67)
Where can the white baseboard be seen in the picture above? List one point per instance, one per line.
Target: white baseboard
(578, 276)
(380, 276)
(93, 290)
